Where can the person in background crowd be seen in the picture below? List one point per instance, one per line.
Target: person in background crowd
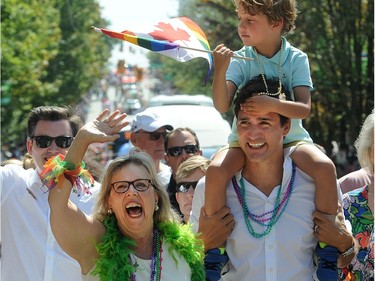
(28, 162)
(135, 234)
(363, 176)
(355, 180)
(29, 249)
(149, 132)
(213, 230)
(180, 144)
(272, 201)
(12, 161)
(359, 208)
(187, 176)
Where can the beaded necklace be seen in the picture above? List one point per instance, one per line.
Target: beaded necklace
(156, 258)
(279, 93)
(268, 219)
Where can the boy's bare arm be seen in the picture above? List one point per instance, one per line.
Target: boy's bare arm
(222, 90)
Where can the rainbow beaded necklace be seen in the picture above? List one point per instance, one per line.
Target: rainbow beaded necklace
(156, 258)
(268, 219)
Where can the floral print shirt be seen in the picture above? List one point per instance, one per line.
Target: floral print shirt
(358, 213)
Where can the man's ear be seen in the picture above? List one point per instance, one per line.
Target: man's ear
(29, 146)
(166, 158)
(200, 152)
(287, 127)
(133, 139)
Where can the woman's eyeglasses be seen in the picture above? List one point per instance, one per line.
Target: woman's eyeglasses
(177, 150)
(46, 141)
(184, 186)
(154, 136)
(123, 186)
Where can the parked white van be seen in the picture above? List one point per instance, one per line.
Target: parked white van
(211, 128)
(160, 100)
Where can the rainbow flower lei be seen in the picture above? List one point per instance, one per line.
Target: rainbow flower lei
(115, 249)
(56, 169)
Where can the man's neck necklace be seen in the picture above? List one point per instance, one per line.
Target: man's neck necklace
(156, 259)
(267, 219)
(261, 70)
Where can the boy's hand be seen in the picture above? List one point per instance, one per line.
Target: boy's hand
(222, 56)
(260, 105)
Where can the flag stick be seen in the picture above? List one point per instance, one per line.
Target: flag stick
(210, 52)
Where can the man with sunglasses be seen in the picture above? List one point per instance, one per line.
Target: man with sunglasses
(180, 144)
(149, 132)
(29, 249)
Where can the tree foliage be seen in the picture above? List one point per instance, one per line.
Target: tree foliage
(30, 36)
(50, 56)
(338, 37)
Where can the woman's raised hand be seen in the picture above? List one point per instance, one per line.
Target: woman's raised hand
(105, 127)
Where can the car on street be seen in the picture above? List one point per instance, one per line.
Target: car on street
(132, 106)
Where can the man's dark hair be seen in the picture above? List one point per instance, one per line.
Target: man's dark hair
(179, 130)
(53, 113)
(256, 86)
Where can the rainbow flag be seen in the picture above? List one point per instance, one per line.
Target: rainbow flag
(178, 38)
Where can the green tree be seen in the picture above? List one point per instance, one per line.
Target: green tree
(30, 35)
(50, 56)
(83, 54)
(338, 37)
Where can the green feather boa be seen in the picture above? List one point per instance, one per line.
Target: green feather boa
(114, 250)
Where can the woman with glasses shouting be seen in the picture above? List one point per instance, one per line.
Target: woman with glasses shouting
(24, 202)
(134, 233)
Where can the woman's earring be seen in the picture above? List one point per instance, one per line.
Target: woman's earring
(110, 211)
(156, 206)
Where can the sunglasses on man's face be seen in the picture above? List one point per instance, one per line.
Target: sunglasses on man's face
(184, 186)
(154, 136)
(46, 141)
(177, 150)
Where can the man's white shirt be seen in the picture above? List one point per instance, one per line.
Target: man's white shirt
(286, 253)
(29, 248)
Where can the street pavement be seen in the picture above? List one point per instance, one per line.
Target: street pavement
(117, 100)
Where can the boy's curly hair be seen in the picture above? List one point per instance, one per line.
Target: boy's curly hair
(275, 10)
